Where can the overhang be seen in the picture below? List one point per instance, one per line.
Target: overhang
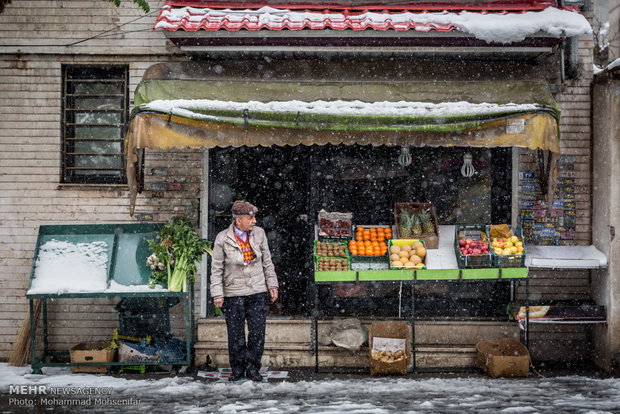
(192, 113)
(498, 28)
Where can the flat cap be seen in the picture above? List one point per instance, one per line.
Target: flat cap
(240, 208)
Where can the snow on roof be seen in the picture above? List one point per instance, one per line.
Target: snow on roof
(185, 107)
(501, 27)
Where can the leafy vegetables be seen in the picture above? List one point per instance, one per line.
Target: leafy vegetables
(175, 253)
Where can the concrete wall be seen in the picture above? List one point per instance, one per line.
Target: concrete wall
(606, 212)
(614, 30)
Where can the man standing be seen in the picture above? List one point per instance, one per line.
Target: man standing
(241, 274)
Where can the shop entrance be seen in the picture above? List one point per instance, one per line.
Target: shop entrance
(291, 184)
(276, 180)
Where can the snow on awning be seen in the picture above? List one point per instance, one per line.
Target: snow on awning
(491, 22)
(178, 113)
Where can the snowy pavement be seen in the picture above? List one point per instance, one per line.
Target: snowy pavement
(59, 390)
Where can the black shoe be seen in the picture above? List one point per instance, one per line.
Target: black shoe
(254, 376)
(236, 377)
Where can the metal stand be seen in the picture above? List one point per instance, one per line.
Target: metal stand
(316, 315)
(489, 274)
(43, 360)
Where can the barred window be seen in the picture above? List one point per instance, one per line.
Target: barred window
(95, 109)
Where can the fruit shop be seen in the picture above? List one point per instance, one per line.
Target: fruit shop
(397, 177)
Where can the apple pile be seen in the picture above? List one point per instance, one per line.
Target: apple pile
(473, 247)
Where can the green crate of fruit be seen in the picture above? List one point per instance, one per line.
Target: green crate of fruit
(471, 260)
(508, 260)
(409, 242)
(326, 249)
(330, 264)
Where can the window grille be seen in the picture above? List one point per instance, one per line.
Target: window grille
(95, 112)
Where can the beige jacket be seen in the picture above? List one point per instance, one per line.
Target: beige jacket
(230, 276)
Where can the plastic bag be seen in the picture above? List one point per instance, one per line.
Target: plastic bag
(348, 334)
(500, 231)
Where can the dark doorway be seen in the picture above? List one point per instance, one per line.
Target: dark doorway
(290, 185)
(276, 180)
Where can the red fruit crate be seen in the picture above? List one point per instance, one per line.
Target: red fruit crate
(334, 224)
(471, 261)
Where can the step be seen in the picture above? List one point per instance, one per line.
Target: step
(439, 343)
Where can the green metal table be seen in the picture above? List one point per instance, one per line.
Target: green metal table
(410, 276)
(126, 266)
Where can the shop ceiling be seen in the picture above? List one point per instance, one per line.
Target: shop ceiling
(488, 30)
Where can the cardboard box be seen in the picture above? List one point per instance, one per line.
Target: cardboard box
(503, 358)
(392, 337)
(92, 352)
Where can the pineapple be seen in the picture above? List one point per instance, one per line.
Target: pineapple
(404, 225)
(416, 229)
(427, 224)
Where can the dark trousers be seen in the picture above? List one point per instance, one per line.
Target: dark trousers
(237, 310)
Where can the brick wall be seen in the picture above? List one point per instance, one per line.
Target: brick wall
(30, 152)
(574, 168)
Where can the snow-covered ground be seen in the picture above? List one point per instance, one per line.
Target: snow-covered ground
(330, 394)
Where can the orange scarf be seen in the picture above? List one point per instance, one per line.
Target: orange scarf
(246, 249)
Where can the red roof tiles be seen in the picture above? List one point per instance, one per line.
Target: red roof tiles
(194, 15)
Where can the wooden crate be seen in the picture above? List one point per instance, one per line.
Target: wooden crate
(432, 241)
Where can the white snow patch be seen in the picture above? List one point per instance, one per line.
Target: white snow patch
(116, 287)
(186, 107)
(613, 64)
(64, 267)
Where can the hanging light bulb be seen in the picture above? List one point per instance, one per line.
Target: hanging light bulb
(404, 158)
(467, 170)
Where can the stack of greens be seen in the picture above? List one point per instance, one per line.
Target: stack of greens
(175, 253)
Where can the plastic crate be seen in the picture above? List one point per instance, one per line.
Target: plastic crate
(508, 260)
(400, 243)
(141, 317)
(430, 241)
(316, 253)
(370, 262)
(317, 258)
(369, 226)
(472, 261)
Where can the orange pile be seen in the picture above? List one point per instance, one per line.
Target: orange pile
(370, 241)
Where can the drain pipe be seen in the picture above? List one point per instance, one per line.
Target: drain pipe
(204, 230)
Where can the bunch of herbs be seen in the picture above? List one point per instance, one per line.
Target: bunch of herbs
(178, 248)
